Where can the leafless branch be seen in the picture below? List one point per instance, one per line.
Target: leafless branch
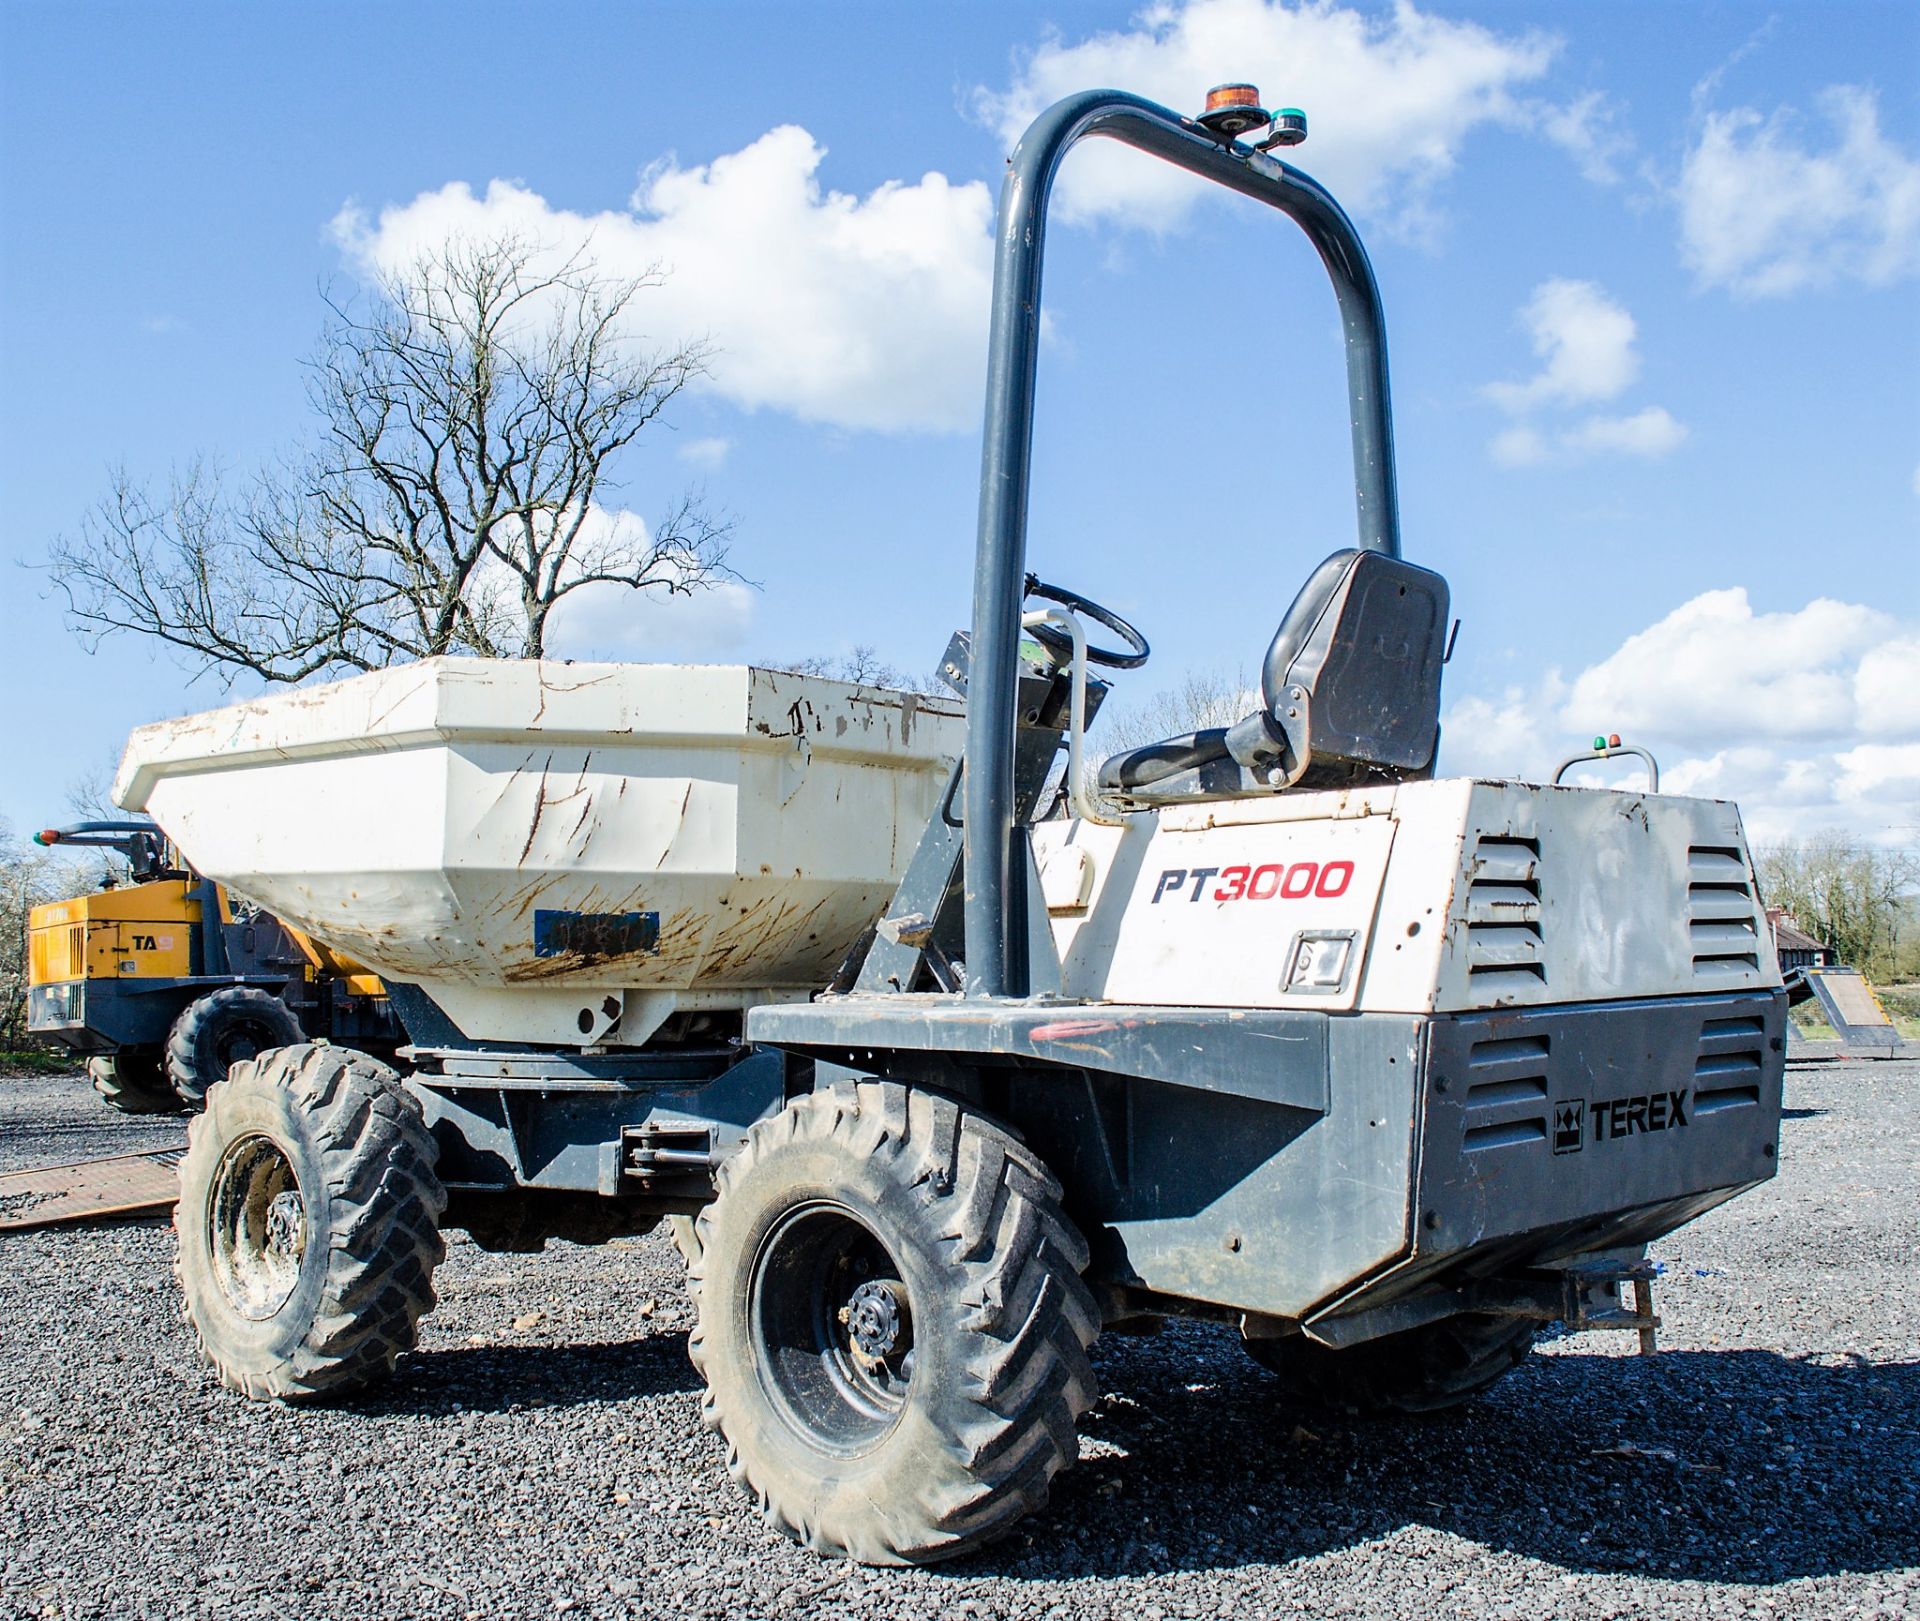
(472, 414)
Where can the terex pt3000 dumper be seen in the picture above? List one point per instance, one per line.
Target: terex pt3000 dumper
(1272, 1027)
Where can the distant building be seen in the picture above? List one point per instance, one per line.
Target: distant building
(1794, 947)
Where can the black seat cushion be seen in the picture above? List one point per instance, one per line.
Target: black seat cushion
(1351, 685)
(1155, 762)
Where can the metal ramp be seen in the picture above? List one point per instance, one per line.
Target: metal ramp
(91, 1190)
(1855, 1013)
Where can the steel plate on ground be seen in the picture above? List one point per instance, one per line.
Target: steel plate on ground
(91, 1190)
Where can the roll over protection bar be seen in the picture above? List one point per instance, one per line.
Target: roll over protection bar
(996, 860)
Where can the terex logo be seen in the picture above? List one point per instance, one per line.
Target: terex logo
(1276, 880)
(1624, 1117)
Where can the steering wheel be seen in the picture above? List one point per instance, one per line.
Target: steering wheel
(1058, 642)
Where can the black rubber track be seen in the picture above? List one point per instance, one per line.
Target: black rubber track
(198, 1044)
(1421, 1370)
(1002, 1323)
(365, 1166)
(133, 1085)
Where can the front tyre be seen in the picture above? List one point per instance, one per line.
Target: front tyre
(891, 1324)
(308, 1223)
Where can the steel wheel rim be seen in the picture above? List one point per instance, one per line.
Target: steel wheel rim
(830, 1326)
(257, 1227)
(241, 1040)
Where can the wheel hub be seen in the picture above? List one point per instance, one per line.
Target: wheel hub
(832, 1327)
(257, 1227)
(287, 1225)
(876, 1319)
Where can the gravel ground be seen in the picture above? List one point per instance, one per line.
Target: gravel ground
(542, 1453)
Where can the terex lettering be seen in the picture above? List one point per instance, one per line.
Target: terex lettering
(1627, 1117)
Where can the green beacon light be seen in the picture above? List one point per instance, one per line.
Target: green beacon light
(1289, 128)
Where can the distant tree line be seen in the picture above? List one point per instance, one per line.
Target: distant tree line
(1857, 898)
(26, 879)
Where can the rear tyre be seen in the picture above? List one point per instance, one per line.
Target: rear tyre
(233, 1023)
(686, 1238)
(133, 1083)
(891, 1323)
(308, 1223)
(1420, 1370)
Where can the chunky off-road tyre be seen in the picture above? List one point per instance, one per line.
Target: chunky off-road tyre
(308, 1222)
(891, 1323)
(133, 1083)
(224, 1027)
(1420, 1370)
(686, 1237)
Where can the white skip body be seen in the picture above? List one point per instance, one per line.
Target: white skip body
(561, 853)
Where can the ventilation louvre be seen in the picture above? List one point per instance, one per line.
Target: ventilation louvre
(1720, 915)
(1504, 943)
(1506, 1102)
(1506, 1134)
(1728, 1065)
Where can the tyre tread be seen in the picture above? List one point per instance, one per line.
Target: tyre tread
(386, 1199)
(996, 1209)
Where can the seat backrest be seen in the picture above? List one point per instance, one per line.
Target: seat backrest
(1359, 653)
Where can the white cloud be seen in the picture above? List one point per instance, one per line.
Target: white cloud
(707, 453)
(1588, 129)
(862, 312)
(1585, 343)
(1713, 666)
(1881, 769)
(1886, 689)
(658, 623)
(1765, 211)
(1519, 446)
(1651, 433)
(1390, 99)
(1809, 719)
(610, 622)
(1584, 340)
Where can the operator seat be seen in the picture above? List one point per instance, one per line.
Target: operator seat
(1351, 684)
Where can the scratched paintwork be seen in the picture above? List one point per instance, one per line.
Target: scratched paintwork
(417, 818)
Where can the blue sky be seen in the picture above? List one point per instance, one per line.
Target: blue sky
(1652, 278)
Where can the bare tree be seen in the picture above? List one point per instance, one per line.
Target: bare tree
(1204, 698)
(472, 411)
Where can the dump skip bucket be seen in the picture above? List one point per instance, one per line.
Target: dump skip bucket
(561, 852)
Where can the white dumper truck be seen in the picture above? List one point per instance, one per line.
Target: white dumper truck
(954, 1065)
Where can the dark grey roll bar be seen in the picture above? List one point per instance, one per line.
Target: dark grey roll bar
(995, 930)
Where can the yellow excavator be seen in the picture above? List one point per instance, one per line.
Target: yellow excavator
(162, 980)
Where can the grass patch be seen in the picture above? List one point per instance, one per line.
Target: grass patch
(37, 1061)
